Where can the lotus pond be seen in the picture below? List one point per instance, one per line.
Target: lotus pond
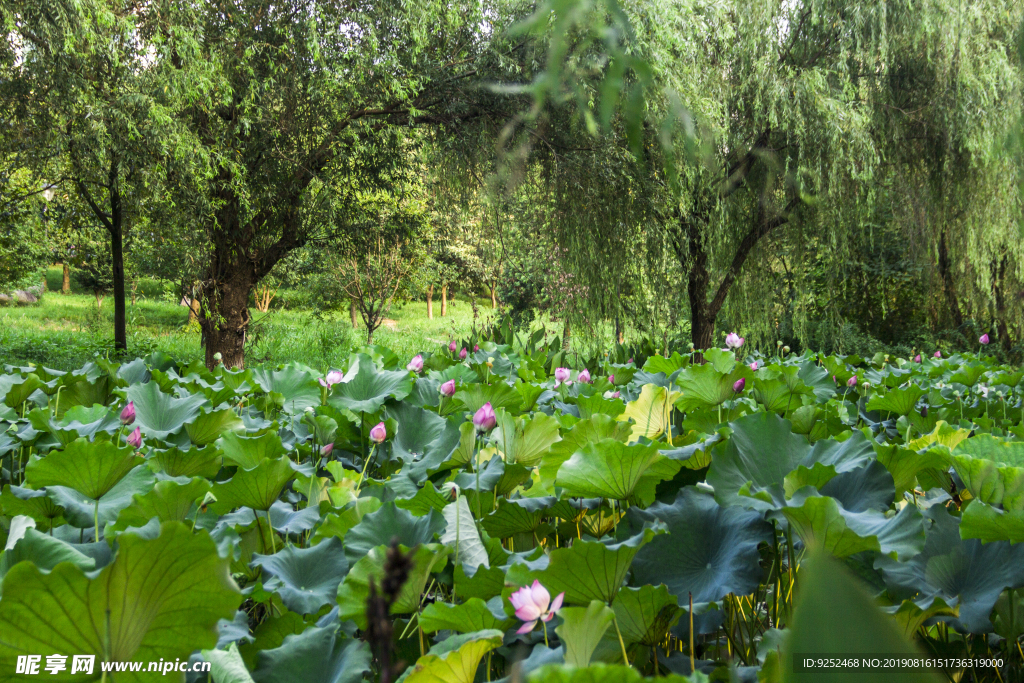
(478, 519)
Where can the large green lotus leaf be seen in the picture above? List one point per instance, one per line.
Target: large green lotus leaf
(336, 525)
(296, 384)
(472, 615)
(650, 412)
(822, 523)
(158, 414)
(968, 373)
(16, 500)
(524, 440)
(646, 614)
(764, 455)
(249, 451)
(365, 388)
(898, 401)
(83, 391)
(82, 512)
(904, 464)
(454, 660)
(190, 462)
(317, 655)
(658, 363)
(706, 386)
(585, 571)
(78, 421)
(598, 405)
(168, 501)
(389, 522)
(16, 390)
(944, 434)
(911, 616)
(956, 569)
(305, 578)
(416, 430)
(865, 488)
(988, 524)
(227, 666)
(42, 550)
(581, 630)
(159, 598)
(485, 583)
(209, 425)
(499, 395)
(257, 488)
(992, 470)
(835, 617)
(427, 559)
(600, 673)
(90, 467)
(512, 517)
(709, 552)
(462, 535)
(780, 389)
(611, 469)
(586, 431)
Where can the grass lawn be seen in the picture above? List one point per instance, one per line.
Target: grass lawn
(64, 332)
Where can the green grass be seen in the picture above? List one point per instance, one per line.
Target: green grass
(65, 332)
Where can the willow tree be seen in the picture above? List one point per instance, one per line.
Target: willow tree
(304, 97)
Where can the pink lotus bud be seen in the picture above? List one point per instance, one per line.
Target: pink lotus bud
(485, 419)
(753, 366)
(983, 340)
(611, 379)
(476, 347)
(135, 438)
(452, 346)
(937, 354)
(333, 377)
(378, 433)
(733, 340)
(917, 358)
(584, 376)
(462, 353)
(416, 364)
(327, 450)
(450, 490)
(852, 382)
(738, 385)
(128, 413)
(448, 388)
(534, 603)
(616, 394)
(630, 360)
(562, 375)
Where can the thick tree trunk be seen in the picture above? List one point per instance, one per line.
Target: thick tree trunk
(444, 300)
(998, 286)
(352, 314)
(494, 295)
(66, 285)
(702, 321)
(948, 286)
(117, 258)
(430, 302)
(225, 318)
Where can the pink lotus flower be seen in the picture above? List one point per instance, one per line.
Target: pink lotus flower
(327, 450)
(630, 360)
(611, 379)
(852, 382)
(462, 353)
(937, 354)
(562, 375)
(448, 388)
(476, 347)
(416, 364)
(753, 366)
(738, 385)
(135, 438)
(485, 419)
(612, 394)
(733, 340)
(378, 433)
(333, 377)
(917, 358)
(983, 340)
(534, 603)
(128, 413)
(452, 346)
(584, 376)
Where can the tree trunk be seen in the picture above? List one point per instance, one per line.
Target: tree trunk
(66, 285)
(352, 314)
(494, 296)
(117, 258)
(444, 300)
(430, 302)
(948, 287)
(225, 313)
(566, 335)
(998, 289)
(702, 322)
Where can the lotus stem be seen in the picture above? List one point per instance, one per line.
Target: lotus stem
(622, 644)
(366, 464)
